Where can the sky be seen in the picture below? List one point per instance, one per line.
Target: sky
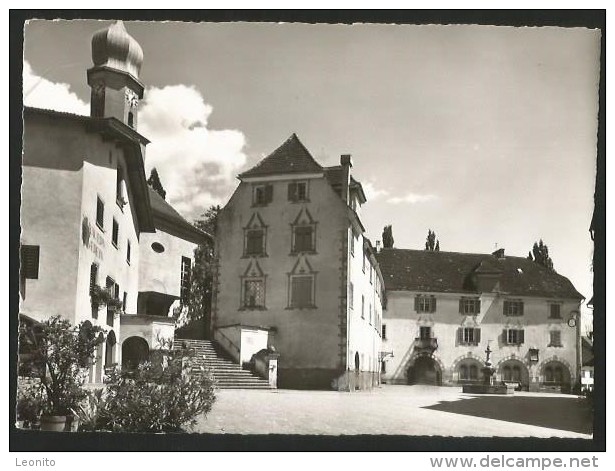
(484, 134)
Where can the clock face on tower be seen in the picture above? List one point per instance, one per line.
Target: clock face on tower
(131, 98)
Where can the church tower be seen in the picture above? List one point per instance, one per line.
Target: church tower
(114, 78)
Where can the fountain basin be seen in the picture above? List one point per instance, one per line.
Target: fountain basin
(502, 389)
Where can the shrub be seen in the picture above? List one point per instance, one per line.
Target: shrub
(91, 411)
(158, 396)
(29, 401)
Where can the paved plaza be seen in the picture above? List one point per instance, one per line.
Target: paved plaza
(398, 410)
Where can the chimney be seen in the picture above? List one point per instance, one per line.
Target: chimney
(499, 254)
(346, 163)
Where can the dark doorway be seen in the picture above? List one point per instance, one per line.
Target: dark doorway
(425, 370)
(134, 351)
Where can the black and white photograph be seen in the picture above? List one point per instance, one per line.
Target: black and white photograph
(276, 226)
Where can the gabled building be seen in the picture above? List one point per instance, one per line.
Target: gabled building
(444, 308)
(90, 226)
(296, 272)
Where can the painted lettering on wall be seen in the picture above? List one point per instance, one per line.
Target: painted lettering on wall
(92, 238)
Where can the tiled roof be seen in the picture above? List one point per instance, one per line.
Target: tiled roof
(290, 157)
(452, 272)
(162, 210)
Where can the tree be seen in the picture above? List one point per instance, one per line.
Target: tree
(541, 255)
(154, 182)
(201, 288)
(387, 237)
(432, 244)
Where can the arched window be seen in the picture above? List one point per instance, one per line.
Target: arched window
(516, 373)
(507, 373)
(548, 374)
(473, 372)
(131, 119)
(558, 374)
(463, 372)
(357, 361)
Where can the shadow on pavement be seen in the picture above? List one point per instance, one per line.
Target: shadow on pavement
(561, 413)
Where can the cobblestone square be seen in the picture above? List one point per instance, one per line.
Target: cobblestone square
(397, 410)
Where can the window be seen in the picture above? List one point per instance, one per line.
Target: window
(469, 306)
(255, 242)
(302, 291)
(114, 291)
(30, 256)
(513, 308)
(362, 307)
(371, 274)
(120, 196)
(555, 338)
(370, 313)
(364, 261)
(93, 276)
(423, 303)
(263, 195)
(185, 280)
(514, 336)
(115, 233)
(124, 300)
(425, 332)
(554, 374)
(384, 331)
(469, 336)
(383, 366)
(351, 242)
(254, 293)
(100, 212)
(131, 119)
(297, 191)
(350, 295)
(555, 311)
(468, 372)
(511, 373)
(157, 247)
(303, 237)
(128, 252)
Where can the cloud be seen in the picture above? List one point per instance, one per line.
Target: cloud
(371, 192)
(197, 165)
(42, 93)
(411, 198)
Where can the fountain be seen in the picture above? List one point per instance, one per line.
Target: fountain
(488, 385)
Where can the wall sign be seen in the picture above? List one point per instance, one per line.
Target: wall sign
(92, 238)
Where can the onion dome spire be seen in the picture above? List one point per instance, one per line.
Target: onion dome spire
(113, 47)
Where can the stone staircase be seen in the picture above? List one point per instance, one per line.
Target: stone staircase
(227, 373)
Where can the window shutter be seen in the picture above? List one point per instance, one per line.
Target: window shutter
(521, 308)
(505, 336)
(416, 303)
(268, 193)
(433, 304)
(30, 255)
(460, 335)
(478, 306)
(461, 306)
(505, 308)
(292, 192)
(477, 336)
(521, 336)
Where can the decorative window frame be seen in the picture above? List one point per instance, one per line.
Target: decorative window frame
(302, 268)
(303, 219)
(253, 272)
(255, 223)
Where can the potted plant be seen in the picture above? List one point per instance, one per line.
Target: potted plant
(115, 304)
(29, 403)
(100, 295)
(65, 351)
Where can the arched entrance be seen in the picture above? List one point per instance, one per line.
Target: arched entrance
(135, 350)
(425, 370)
(110, 350)
(555, 373)
(513, 371)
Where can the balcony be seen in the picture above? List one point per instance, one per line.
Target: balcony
(425, 345)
